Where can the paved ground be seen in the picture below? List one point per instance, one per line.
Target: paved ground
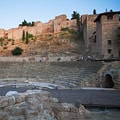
(88, 97)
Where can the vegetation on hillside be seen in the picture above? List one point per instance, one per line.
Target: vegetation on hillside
(1, 41)
(64, 41)
(26, 36)
(71, 34)
(17, 51)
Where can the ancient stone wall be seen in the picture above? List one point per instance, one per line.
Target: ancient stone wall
(39, 105)
(89, 27)
(53, 26)
(113, 71)
(109, 28)
(106, 35)
(1, 33)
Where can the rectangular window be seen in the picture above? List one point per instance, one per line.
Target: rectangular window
(109, 51)
(119, 17)
(109, 42)
(110, 16)
(94, 39)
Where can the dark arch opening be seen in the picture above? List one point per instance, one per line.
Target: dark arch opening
(108, 83)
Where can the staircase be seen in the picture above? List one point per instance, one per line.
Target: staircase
(72, 74)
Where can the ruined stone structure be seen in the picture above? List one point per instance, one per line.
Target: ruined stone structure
(72, 74)
(100, 33)
(53, 26)
(39, 105)
(109, 75)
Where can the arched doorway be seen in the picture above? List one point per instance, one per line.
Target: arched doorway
(108, 82)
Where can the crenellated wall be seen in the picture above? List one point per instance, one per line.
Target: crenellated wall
(53, 26)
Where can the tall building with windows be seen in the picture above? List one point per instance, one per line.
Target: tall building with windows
(100, 33)
(104, 38)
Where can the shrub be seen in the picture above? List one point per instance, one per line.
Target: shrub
(17, 51)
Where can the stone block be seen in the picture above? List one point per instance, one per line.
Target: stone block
(3, 116)
(30, 114)
(4, 101)
(17, 111)
(20, 117)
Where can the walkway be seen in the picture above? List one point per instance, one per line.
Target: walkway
(87, 97)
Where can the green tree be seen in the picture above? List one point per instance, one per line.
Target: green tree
(23, 35)
(32, 24)
(30, 35)
(1, 41)
(25, 23)
(17, 51)
(94, 11)
(27, 37)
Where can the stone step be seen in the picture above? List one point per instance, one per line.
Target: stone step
(67, 72)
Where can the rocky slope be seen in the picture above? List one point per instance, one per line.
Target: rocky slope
(44, 45)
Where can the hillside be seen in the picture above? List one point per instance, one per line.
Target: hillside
(63, 43)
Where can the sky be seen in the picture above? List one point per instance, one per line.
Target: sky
(14, 12)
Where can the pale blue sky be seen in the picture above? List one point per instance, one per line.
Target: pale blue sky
(13, 12)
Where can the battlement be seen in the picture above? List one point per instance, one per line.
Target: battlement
(52, 26)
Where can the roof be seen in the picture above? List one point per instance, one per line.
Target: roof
(105, 13)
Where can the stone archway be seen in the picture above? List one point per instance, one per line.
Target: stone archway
(108, 82)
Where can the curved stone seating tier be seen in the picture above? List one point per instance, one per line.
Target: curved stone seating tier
(70, 74)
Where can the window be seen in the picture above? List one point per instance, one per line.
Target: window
(94, 39)
(99, 21)
(109, 50)
(109, 42)
(110, 16)
(119, 17)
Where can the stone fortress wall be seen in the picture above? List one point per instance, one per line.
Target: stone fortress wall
(53, 26)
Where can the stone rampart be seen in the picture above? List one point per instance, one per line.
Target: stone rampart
(53, 26)
(39, 105)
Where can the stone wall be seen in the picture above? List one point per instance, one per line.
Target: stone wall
(39, 105)
(105, 32)
(89, 27)
(53, 26)
(112, 69)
